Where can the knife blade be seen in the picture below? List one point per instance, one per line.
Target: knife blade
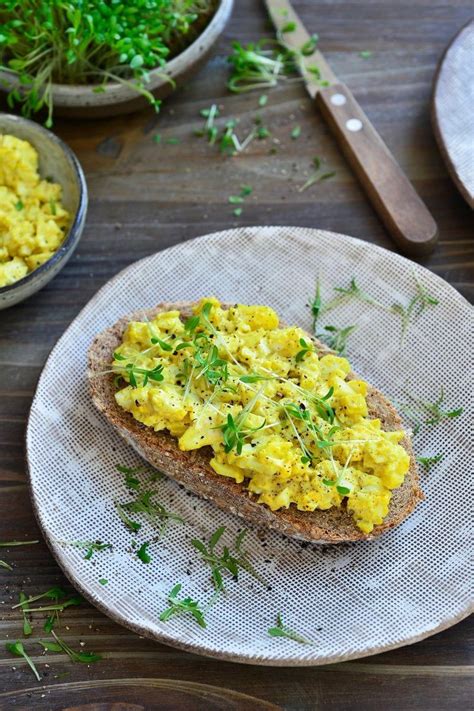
(400, 208)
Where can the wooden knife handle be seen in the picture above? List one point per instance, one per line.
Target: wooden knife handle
(401, 209)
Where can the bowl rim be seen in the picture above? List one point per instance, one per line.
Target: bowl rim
(70, 238)
(223, 8)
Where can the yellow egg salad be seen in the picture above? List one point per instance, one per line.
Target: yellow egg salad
(33, 222)
(281, 420)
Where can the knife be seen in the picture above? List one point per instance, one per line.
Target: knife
(404, 214)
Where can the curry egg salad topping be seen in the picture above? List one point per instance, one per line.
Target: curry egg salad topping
(278, 417)
(32, 220)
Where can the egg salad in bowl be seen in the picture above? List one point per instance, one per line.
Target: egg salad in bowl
(282, 418)
(33, 222)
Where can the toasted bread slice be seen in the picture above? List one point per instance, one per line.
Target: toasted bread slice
(192, 469)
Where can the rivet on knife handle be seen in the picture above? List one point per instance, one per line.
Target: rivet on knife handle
(391, 193)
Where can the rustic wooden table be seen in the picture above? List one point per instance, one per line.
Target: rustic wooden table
(146, 196)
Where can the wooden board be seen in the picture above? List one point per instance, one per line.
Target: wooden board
(146, 196)
(453, 110)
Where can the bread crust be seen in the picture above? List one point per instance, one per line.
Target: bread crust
(192, 469)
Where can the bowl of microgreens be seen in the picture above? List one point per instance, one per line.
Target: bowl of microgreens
(91, 59)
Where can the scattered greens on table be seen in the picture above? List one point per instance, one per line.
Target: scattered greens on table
(59, 645)
(18, 650)
(88, 42)
(245, 191)
(259, 65)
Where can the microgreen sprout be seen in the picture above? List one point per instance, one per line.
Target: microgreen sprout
(18, 650)
(131, 481)
(263, 132)
(415, 307)
(60, 607)
(27, 628)
(315, 305)
(54, 593)
(186, 605)
(132, 525)
(365, 54)
(429, 462)
(235, 434)
(263, 100)
(343, 487)
(259, 65)
(143, 554)
(210, 129)
(12, 544)
(422, 412)
(151, 509)
(309, 47)
(300, 412)
(60, 645)
(352, 291)
(289, 27)
(254, 378)
(90, 547)
(135, 373)
(336, 338)
(245, 191)
(163, 345)
(317, 176)
(5, 565)
(227, 560)
(296, 132)
(281, 630)
(305, 349)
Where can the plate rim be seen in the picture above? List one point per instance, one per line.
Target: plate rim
(163, 638)
(435, 119)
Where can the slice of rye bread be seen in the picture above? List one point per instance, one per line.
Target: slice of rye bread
(192, 469)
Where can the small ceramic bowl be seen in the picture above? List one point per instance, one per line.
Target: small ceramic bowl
(58, 161)
(84, 102)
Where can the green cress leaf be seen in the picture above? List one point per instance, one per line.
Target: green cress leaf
(18, 650)
(230, 560)
(132, 525)
(281, 630)
(27, 628)
(143, 554)
(310, 46)
(429, 462)
(59, 645)
(186, 605)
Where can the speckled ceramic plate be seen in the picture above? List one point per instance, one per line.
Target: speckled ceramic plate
(452, 110)
(348, 600)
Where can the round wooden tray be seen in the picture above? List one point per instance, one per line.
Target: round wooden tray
(452, 115)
